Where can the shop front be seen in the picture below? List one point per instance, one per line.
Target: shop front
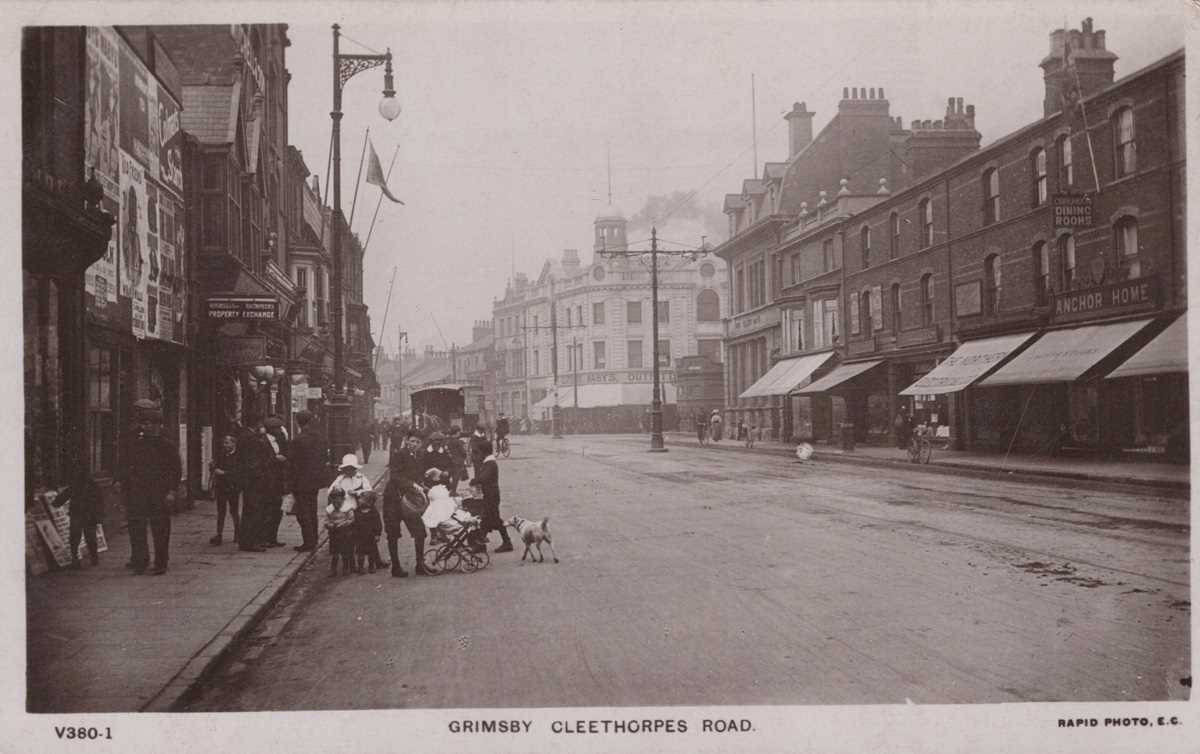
(1155, 380)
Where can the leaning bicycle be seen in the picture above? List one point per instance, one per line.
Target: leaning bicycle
(920, 446)
(503, 447)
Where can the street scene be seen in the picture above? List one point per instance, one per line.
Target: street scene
(471, 360)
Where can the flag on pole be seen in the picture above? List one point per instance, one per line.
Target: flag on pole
(375, 173)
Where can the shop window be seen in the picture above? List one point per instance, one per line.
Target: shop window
(1040, 181)
(927, 299)
(708, 306)
(991, 196)
(101, 430)
(1125, 235)
(1041, 273)
(1066, 167)
(864, 237)
(1066, 255)
(1126, 148)
(925, 210)
(991, 284)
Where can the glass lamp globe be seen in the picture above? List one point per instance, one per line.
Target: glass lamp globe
(389, 107)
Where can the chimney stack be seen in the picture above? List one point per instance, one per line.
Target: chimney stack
(799, 128)
(1090, 63)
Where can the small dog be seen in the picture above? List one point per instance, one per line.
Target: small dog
(533, 534)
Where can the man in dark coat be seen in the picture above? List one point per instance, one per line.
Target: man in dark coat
(308, 462)
(149, 476)
(259, 490)
(475, 447)
(458, 459)
(403, 472)
(277, 472)
(436, 456)
(487, 478)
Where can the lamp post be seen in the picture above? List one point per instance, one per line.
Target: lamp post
(345, 67)
(656, 435)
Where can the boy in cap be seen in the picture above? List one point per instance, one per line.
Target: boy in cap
(149, 476)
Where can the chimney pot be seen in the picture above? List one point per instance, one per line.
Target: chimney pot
(1098, 37)
(960, 105)
(872, 92)
(916, 124)
(881, 93)
(950, 106)
(937, 124)
(845, 92)
(854, 92)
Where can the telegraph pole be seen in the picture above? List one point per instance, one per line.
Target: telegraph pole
(554, 415)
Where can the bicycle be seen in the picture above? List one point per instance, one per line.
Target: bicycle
(503, 447)
(920, 447)
(702, 435)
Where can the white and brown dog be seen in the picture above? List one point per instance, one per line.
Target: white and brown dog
(533, 534)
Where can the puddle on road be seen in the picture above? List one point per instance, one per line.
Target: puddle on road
(1064, 572)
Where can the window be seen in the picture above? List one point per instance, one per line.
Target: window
(708, 306)
(1066, 168)
(927, 299)
(1126, 152)
(537, 362)
(1125, 236)
(633, 354)
(664, 312)
(991, 284)
(894, 229)
(102, 434)
(1066, 255)
(302, 284)
(795, 264)
(579, 315)
(664, 353)
(825, 314)
(864, 313)
(1041, 273)
(633, 312)
(568, 316)
(827, 255)
(864, 237)
(1040, 181)
(739, 289)
(895, 302)
(991, 196)
(776, 277)
(758, 283)
(599, 357)
(598, 313)
(925, 210)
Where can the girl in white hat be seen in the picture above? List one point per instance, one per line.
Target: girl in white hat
(351, 480)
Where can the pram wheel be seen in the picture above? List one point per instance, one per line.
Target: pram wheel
(468, 564)
(439, 559)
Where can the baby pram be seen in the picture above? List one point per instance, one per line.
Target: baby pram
(457, 543)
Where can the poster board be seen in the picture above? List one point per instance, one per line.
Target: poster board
(35, 553)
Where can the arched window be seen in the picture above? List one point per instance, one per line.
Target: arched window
(1126, 152)
(708, 306)
(1066, 167)
(991, 196)
(1125, 238)
(1040, 181)
(1066, 256)
(1041, 273)
(927, 299)
(991, 284)
(864, 313)
(894, 229)
(865, 241)
(926, 223)
(895, 301)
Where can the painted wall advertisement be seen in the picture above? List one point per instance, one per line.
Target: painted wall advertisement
(133, 142)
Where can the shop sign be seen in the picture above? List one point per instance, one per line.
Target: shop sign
(1072, 211)
(618, 377)
(314, 393)
(239, 308)
(1106, 300)
(243, 350)
(755, 321)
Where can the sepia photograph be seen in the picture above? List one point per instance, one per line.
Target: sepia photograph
(713, 376)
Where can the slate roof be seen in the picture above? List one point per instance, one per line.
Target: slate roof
(210, 112)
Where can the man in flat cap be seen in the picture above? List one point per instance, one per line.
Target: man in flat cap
(149, 476)
(308, 459)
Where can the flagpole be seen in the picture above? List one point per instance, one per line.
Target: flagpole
(358, 180)
(1087, 131)
(387, 178)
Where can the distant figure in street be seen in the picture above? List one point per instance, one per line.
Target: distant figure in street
(277, 471)
(751, 435)
(227, 486)
(86, 510)
(701, 420)
(367, 528)
(902, 426)
(365, 434)
(148, 480)
(476, 447)
(309, 464)
(458, 459)
(339, 520)
(714, 424)
(487, 478)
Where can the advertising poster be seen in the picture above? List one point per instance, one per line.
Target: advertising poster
(179, 291)
(134, 254)
(170, 157)
(134, 116)
(168, 260)
(101, 137)
(154, 270)
(183, 453)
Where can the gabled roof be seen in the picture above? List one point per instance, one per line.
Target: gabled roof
(734, 202)
(210, 112)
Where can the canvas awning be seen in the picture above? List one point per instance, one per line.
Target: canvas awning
(968, 363)
(786, 375)
(1166, 353)
(610, 394)
(838, 376)
(1064, 355)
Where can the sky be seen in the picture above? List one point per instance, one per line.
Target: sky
(510, 112)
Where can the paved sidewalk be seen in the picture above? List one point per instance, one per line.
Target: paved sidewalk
(104, 640)
(1119, 471)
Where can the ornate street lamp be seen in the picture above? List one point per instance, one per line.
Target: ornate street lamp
(656, 435)
(345, 67)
